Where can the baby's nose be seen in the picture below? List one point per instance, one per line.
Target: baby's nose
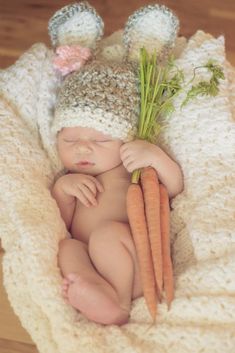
(83, 148)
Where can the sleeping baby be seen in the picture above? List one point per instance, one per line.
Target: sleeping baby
(95, 127)
(95, 124)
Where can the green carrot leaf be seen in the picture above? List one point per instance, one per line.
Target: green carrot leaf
(159, 85)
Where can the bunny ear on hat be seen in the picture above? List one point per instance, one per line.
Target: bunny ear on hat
(76, 24)
(154, 27)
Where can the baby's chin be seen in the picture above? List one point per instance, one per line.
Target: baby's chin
(95, 170)
(88, 169)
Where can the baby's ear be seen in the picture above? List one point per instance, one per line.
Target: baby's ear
(76, 23)
(154, 27)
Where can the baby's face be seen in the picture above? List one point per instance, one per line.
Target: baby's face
(86, 150)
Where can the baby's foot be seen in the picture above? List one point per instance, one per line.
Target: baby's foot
(64, 289)
(97, 300)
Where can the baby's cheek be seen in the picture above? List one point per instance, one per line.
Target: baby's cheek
(65, 157)
(113, 160)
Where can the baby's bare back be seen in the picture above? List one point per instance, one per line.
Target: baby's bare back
(111, 206)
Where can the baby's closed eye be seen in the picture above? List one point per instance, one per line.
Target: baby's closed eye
(70, 141)
(100, 140)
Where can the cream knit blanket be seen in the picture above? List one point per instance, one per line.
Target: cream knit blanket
(201, 137)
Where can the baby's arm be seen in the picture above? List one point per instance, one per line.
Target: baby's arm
(65, 202)
(74, 186)
(139, 154)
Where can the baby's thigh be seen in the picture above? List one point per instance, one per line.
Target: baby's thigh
(107, 235)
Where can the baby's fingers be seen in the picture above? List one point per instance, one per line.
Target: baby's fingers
(81, 196)
(94, 184)
(89, 196)
(99, 186)
(89, 183)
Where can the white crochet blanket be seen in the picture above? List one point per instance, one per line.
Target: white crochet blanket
(201, 137)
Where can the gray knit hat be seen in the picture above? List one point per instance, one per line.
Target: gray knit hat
(101, 95)
(105, 94)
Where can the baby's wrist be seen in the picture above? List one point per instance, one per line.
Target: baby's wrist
(57, 189)
(61, 195)
(155, 156)
(59, 186)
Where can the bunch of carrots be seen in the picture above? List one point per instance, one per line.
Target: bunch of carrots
(148, 206)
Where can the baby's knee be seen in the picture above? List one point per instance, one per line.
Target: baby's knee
(68, 244)
(65, 243)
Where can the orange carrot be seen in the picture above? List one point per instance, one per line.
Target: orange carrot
(136, 215)
(150, 187)
(168, 278)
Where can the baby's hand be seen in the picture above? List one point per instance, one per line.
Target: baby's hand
(83, 187)
(137, 154)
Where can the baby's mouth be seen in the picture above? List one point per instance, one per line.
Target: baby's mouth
(84, 163)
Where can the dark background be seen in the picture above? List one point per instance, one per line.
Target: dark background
(24, 22)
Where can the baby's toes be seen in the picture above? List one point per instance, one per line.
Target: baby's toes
(72, 277)
(65, 287)
(66, 282)
(64, 293)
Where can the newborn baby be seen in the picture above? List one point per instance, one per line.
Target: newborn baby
(95, 126)
(99, 263)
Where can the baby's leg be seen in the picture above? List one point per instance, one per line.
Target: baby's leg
(85, 289)
(110, 252)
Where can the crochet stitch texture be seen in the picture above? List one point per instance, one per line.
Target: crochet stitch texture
(88, 22)
(101, 95)
(105, 94)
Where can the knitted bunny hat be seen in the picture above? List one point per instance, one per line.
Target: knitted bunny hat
(100, 93)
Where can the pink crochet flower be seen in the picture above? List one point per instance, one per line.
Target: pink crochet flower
(70, 58)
